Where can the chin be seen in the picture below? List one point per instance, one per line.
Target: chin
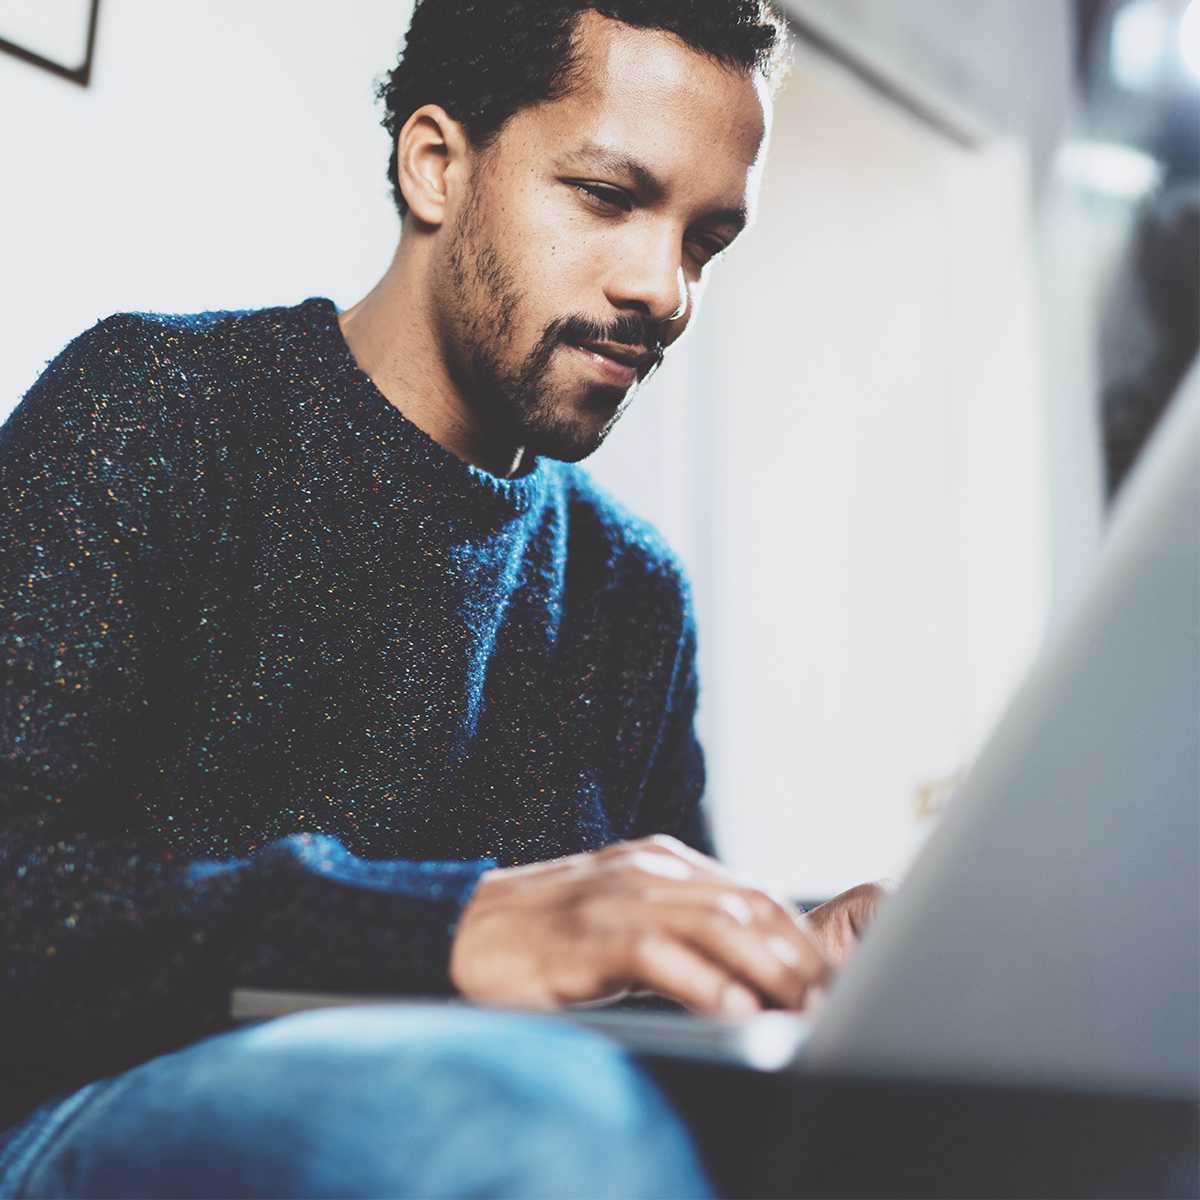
(566, 445)
(573, 436)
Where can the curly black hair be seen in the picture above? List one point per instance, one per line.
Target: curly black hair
(484, 60)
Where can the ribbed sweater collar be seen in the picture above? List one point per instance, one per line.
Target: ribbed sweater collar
(423, 457)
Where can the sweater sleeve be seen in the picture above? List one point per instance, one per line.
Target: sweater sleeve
(115, 946)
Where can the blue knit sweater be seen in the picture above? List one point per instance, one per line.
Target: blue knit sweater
(282, 677)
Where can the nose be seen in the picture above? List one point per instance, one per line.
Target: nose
(649, 278)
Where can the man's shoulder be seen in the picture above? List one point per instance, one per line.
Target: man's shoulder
(635, 548)
(152, 387)
(219, 335)
(142, 367)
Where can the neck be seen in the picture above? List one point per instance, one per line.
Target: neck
(393, 337)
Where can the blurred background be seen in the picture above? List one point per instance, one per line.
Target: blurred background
(886, 449)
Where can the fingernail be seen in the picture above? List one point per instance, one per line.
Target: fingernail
(737, 1001)
(783, 950)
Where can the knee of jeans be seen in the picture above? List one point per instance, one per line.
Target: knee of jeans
(461, 1059)
(507, 1098)
(386, 1101)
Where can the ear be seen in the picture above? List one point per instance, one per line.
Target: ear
(432, 156)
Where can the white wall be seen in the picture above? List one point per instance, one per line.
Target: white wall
(984, 70)
(226, 155)
(882, 564)
(846, 451)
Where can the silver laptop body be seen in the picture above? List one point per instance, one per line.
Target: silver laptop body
(1049, 933)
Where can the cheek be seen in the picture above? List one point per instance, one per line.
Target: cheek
(563, 256)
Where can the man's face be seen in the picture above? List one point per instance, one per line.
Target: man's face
(578, 254)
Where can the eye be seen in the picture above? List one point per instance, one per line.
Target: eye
(604, 195)
(705, 247)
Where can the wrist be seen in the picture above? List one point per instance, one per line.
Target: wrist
(463, 942)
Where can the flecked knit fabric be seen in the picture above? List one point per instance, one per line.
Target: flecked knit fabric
(282, 677)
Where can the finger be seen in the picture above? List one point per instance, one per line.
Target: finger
(709, 868)
(723, 898)
(781, 969)
(778, 968)
(872, 895)
(663, 845)
(839, 924)
(664, 866)
(674, 969)
(791, 938)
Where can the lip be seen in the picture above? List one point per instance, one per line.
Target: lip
(619, 364)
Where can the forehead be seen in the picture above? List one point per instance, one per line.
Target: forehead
(648, 95)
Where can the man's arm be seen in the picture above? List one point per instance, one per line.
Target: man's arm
(115, 945)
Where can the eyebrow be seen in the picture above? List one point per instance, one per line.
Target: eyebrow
(615, 162)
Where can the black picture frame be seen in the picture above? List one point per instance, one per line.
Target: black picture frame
(81, 75)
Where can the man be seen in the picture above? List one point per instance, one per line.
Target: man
(326, 671)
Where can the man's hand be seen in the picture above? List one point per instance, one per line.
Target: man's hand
(839, 923)
(651, 914)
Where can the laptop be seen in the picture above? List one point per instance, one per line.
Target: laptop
(1049, 933)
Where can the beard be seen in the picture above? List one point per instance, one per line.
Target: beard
(520, 403)
(523, 405)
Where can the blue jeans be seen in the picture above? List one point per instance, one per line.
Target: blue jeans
(378, 1102)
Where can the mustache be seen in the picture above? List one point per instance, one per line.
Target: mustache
(624, 330)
